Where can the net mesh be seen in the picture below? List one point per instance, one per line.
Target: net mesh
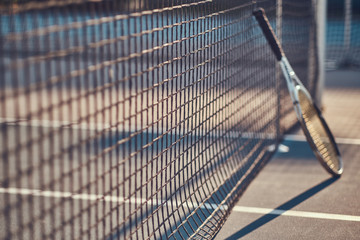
(139, 119)
(298, 37)
(343, 34)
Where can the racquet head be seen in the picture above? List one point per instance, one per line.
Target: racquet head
(318, 133)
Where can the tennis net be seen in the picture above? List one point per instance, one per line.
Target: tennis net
(140, 119)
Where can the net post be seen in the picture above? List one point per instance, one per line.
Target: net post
(278, 70)
(347, 27)
(320, 12)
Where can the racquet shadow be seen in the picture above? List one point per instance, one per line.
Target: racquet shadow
(286, 206)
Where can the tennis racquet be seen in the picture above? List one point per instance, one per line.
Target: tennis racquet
(313, 124)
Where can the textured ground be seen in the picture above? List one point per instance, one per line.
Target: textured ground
(293, 197)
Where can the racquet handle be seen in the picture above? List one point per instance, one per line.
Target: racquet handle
(269, 33)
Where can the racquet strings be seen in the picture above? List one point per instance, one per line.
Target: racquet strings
(318, 133)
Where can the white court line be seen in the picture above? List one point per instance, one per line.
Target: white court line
(302, 138)
(96, 126)
(75, 196)
(95, 197)
(105, 198)
(303, 214)
(93, 126)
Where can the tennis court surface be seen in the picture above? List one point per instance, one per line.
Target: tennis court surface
(142, 119)
(293, 197)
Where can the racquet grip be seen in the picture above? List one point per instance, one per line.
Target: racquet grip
(269, 33)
